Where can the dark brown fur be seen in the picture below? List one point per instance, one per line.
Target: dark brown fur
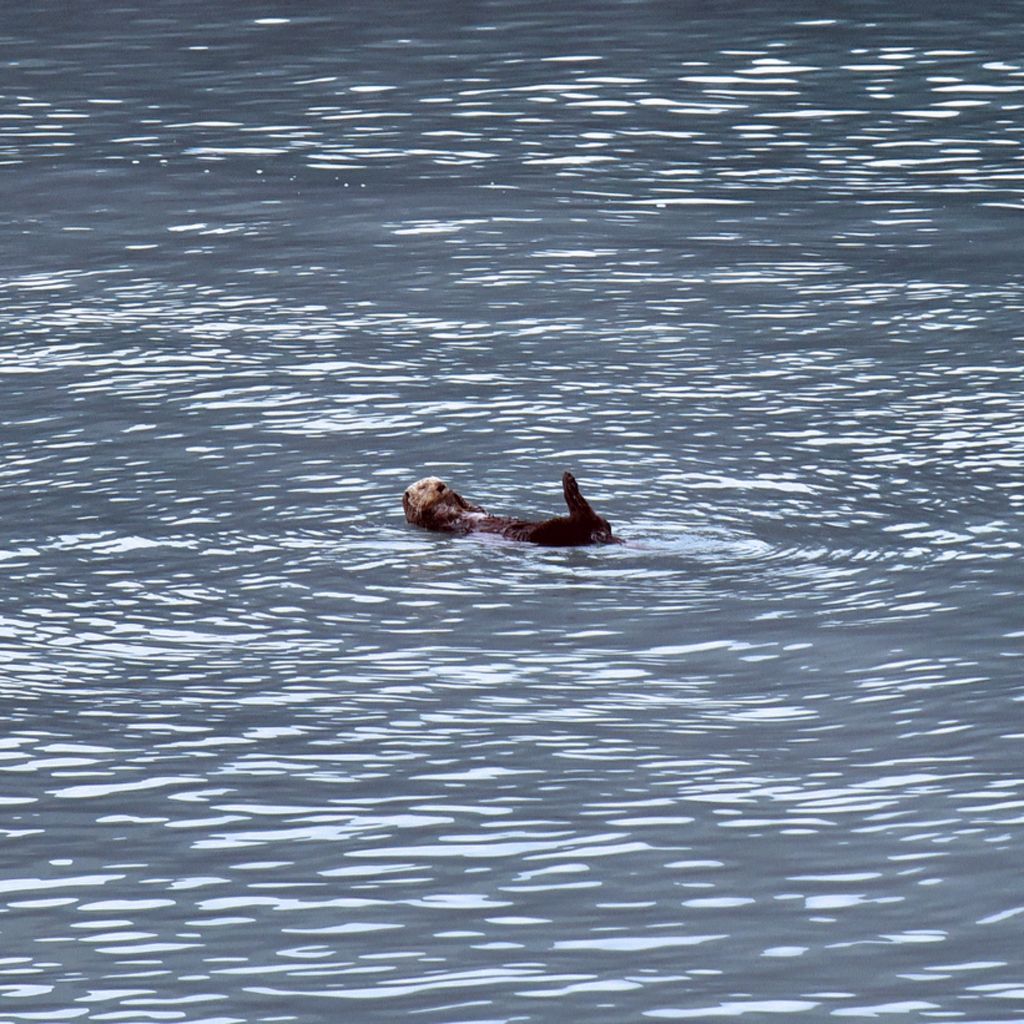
(432, 504)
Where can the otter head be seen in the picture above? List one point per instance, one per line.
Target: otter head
(420, 498)
(601, 532)
(433, 504)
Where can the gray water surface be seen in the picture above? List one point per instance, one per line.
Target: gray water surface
(270, 754)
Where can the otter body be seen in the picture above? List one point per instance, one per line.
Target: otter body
(432, 504)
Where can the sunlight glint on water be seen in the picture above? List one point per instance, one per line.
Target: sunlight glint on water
(273, 755)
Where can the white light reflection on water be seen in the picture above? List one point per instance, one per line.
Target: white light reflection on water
(270, 751)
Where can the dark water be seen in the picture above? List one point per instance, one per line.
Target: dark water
(270, 754)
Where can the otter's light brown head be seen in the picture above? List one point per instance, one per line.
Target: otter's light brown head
(421, 497)
(431, 503)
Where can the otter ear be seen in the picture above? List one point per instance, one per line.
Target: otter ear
(578, 505)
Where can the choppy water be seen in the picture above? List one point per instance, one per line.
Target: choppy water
(272, 755)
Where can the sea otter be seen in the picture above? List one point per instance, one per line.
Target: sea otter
(432, 504)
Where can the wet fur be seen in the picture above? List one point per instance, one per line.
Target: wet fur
(432, 504)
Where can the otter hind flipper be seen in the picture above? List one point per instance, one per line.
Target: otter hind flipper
(579, 507)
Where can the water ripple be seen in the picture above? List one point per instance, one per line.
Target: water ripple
(270, 750)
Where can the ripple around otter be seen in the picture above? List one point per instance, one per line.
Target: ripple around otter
(270, 754)
(715, 545)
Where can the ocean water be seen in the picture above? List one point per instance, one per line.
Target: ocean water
(272, 755)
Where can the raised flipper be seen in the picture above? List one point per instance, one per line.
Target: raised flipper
(579, 507)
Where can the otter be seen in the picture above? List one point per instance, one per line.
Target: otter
(432, 504)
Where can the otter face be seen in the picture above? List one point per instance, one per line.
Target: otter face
(602, 533)
(421, 497)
